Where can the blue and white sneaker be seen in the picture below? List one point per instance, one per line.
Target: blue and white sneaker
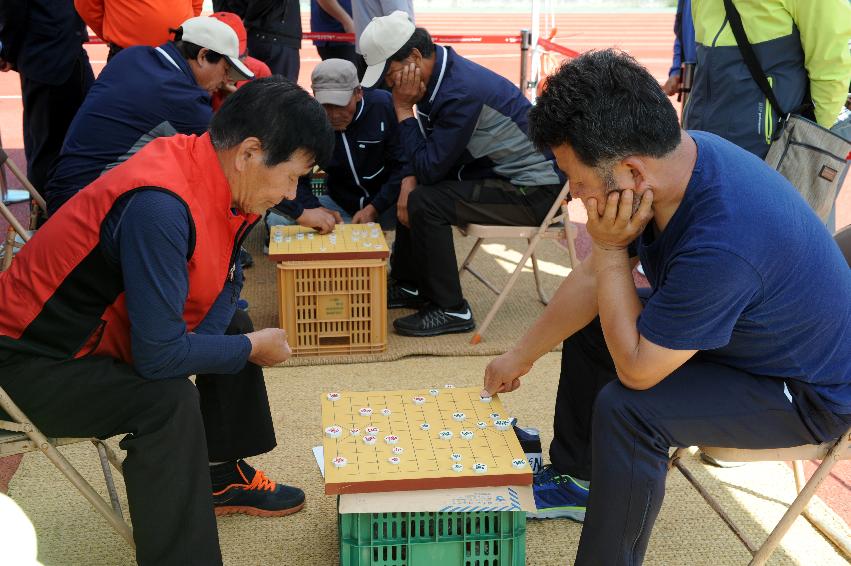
(558, 496)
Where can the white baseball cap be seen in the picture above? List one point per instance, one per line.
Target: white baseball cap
(217, 36)
(382, 38)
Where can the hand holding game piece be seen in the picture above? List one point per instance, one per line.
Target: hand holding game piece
(503, 374)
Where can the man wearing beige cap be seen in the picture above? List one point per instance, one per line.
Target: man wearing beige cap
(144, 93)
(367, 167)
(467, 146)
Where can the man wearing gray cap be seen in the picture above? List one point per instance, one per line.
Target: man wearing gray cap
(367, 167)
(466, 144)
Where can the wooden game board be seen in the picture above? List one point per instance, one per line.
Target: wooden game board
(425, 461)
(347, 241)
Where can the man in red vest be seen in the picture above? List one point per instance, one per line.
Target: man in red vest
(132, 287)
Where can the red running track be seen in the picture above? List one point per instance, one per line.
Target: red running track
(647, 36)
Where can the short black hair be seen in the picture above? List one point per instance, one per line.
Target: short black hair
(278, 112)
(606, 106)
(420, 40)
(190, 50)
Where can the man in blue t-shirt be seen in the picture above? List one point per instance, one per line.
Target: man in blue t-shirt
(333, 16)
(742, 340)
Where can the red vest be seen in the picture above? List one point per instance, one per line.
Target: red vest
(62, 298)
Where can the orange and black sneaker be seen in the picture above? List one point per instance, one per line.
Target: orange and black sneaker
(239, 488)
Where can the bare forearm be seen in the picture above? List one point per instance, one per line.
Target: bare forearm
(619, 307)
(336, 11)
(571, 308)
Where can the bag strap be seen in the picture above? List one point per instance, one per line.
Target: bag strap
(750, 57)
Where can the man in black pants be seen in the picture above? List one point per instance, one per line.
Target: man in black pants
(472, 160)
(100, 340)
(43, 41)
(742, 340)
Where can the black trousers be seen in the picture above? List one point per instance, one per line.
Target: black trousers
(338, 51)
(424, 254)
(281, 59)
(48, 111)
(619, 438)
(166, 470)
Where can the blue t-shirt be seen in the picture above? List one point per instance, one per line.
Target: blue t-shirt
(747, 273)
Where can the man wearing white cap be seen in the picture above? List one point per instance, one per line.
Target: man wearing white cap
(144, 93)
(466, 144)
(368, 164)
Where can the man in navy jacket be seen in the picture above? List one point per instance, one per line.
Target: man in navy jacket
(368, 165)
(466, 144)
(144, 93)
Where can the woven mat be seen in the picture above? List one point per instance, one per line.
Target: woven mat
(496, 260)
(686, 532)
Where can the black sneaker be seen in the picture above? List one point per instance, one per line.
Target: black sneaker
(401, 296)
(239, 488)
(431, 320)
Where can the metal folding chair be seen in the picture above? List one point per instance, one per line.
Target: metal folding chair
(556, 226)
(19, 436)
(829, 453)
(16, 235)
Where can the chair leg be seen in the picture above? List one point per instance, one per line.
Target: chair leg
(477, 337)
(107, 476)
(469, 257)
(541, 293)
(800, 503)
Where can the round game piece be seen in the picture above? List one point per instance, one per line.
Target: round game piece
(333, 431)
(519, 463)
(369, 440)
(365, 412)
(449, 386)
(467, 434)
(310, 235)
(482, 424)
(288, 239)
(354, 431)
(425, 426)
(434, 392)
(279, 237)
(458, 417)
(391, 439)
(444, 434)
(487, 399)
(455, 457)
(394, 460)
(299, 236)
(457, 468)
(386, 412)
(494, 415)
(502, 424)
(398, 450)
(373, 430)
(480, 468)
(333, 397)
(419, 400)
(339, 462)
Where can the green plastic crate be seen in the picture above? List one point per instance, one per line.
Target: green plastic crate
(482, 538)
